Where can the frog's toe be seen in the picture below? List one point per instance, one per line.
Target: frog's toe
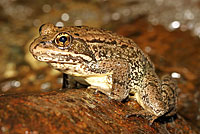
(144, 114)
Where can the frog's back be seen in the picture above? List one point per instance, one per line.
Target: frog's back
(95, 35)
(110, 44)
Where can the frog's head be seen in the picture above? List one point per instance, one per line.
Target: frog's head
(57, 45)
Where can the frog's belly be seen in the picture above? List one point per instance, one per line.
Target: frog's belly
(103, 82)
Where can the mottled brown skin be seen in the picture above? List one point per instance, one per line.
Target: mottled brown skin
(113, 64)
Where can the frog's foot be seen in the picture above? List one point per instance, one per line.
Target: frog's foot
(108, 93)
(144, 114)
(95, 88)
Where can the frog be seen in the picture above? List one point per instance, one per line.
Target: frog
(109, 63)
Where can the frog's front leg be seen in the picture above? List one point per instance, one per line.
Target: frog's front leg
(68, 82)
(64, 81)
(116, 86)
(156, 97)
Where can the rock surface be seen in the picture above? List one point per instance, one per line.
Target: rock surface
(78, 111)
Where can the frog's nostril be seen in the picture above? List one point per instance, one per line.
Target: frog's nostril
(42, 42)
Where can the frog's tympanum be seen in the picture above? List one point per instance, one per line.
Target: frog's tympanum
(112, 64)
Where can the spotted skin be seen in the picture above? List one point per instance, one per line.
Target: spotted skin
(108, 62)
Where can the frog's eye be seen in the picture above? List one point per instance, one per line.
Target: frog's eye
(63, 40)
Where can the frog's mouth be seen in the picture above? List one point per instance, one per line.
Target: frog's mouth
(59, 56)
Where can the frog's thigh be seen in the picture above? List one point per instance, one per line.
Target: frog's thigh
(120, 71)
(169, 86)
(151, 96)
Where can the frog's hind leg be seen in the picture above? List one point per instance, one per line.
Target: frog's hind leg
(157, 97)
(170, 85)
(149, 95)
